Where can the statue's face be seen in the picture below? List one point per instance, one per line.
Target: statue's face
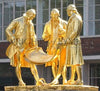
(69, 12)
(54, 15)
(71, 9)
(31, 16)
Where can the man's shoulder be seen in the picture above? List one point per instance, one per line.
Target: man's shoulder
(63, 21)
(76, 16)
(47, 23)
(18, 19)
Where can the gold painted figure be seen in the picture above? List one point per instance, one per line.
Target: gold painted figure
(74, 56)
(73, 48)
(55, 31)
(23, 39)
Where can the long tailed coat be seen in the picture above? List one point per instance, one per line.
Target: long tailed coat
(24, 38)
(73, 49)
(51, 34)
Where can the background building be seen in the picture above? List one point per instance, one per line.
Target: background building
(90, 36)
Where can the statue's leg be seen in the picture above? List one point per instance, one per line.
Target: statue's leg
(72, 81)
(34, 71)
(54, 72)
(39, 81)
(54, 69)
(64, 74)
(79, 80)
(55, 81)
(18, 70)
(72, 72)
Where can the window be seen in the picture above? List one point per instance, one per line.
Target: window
(0, 21)
(89, 10)
(79, 6)
(91, 16)
(19, 8)
(29, 5)
(97, 17)
(42, 16)
(65, 4)
(44, 11)
(8, 16)
(9, 10)
(94, 74)
(14, 9)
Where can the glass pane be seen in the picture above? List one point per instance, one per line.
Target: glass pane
(97, 12)
(53, 3)
(40, 28)
(30, 4)
(95, 81)
(97, 1)
(65, 17)
(95, 74)
(45, 4)
(91, 27)
(8, 13)
(45, 16)
(67, 2)
(58, 3)
(91, 12)
(95, 70)
(0, 14)
(80, 10)
(70, 1)
(97, 27)
(19, 9)
(17, 14)
(79, 2)
(19, 6)
(0, 33)
(91, 2)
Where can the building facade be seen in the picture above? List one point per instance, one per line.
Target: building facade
(90, 36)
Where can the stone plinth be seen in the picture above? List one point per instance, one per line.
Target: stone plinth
(52, 88)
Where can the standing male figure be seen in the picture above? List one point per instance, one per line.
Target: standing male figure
(73, 45)
(55, 31)
(23, 39)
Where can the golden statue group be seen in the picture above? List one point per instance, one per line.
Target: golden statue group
(64, 46)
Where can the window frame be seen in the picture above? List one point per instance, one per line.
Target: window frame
(85, 16)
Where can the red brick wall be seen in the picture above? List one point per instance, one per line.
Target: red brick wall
(4, 45)
(90, 46)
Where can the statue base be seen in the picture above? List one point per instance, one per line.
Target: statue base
(52, 88)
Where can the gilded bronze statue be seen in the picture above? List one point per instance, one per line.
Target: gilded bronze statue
(73, 52)
(74, 56)
(23, 39)
(63, 50)
(54, 32)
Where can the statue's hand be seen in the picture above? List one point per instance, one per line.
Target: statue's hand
(60, 43)
(67, 41)
(47, 38)
(13, 40)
